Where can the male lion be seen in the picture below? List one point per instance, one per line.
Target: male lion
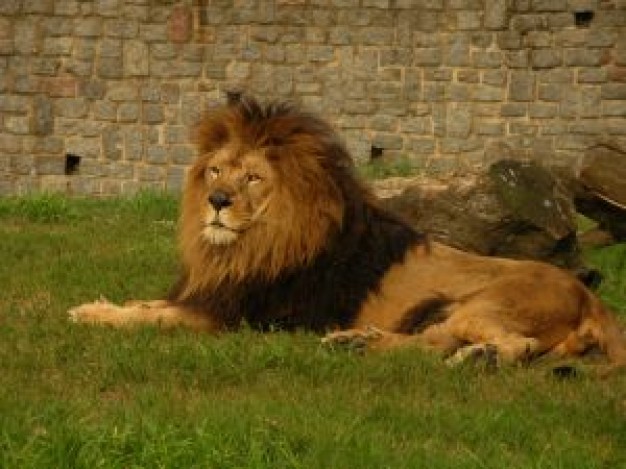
(276, 230)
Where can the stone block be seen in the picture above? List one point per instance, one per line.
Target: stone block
(153, 114)
(150, 173)
(84, 147)
(57, 46)
(42, 117)
(521, 86)
(182, 154)
(87, 27)
(105, 111)
(22, 164)
(542, 110)
(487, 93)
(133, 148)
(376, 36)
(525, 23)
(460, 145)
(175, 179)
(128, 112)
(395, 57)
(49, 165)
(459, 92)
(156, 154)
(468, 20)
(26, 37)
(468, 76)
(387, 141)
(458, 122)
(579, 57)
(513, 109)
(545, 58)
(424, 57)
(522, 128)
(10, 7)
(489, 128)
(550, 92)
(71, 107)
(112, 144)
(122, 92)
(434, 92)
(548, 5)
(19, 125)
(49, 145)
(457, 50)
(570, 103)
(153, 32)
(10, 143)
(496, 16)
(509, 40)
(592, 75)
(66, 8)
(125, 29)
(516, 59)
(317, 53)
(108, 7)
(494, 77)
(487, 59)
(586, 127)
(614, 108)
(614, 91)
(421, 146)
(110, 67)
(136, 58)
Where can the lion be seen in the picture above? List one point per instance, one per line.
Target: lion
(277, 231)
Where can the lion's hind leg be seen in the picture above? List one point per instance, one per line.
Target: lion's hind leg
(373, 338)
(480, 323)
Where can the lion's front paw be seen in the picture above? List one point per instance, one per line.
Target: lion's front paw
(353, 339)
(98, 312)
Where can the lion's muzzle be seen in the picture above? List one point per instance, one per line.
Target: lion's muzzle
(220, 199)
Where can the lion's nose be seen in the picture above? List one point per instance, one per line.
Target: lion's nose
(219, 200)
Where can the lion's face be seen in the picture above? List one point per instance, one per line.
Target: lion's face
(237, 186)
(265, 195)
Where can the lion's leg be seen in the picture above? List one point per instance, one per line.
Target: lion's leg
(159, 313)
(434, 338)
(480, 322)
(148, 303)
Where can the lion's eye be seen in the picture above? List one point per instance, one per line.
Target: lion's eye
(252, 178)
(213, 172)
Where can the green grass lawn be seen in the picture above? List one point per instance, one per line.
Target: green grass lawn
(87, 397)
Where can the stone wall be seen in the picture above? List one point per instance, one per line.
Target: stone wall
(97, 96)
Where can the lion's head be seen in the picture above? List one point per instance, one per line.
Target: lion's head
(267, 192)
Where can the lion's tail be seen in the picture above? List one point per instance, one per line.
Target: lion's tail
(607, 333)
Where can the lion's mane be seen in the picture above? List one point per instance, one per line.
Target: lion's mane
(327, 244)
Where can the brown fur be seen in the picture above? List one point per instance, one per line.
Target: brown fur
(301, 243)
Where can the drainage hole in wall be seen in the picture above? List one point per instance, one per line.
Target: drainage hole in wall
(72, 164)
(233, 97)
(583, 17)
(376, 153)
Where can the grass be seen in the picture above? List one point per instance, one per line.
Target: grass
(86, 397)
(383, 168)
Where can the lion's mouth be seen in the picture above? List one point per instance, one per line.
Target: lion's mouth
(216, 223)
(216, 232)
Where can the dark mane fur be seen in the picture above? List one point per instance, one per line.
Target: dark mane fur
(329, 289)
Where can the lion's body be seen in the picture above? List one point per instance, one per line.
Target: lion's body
(276, 230)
